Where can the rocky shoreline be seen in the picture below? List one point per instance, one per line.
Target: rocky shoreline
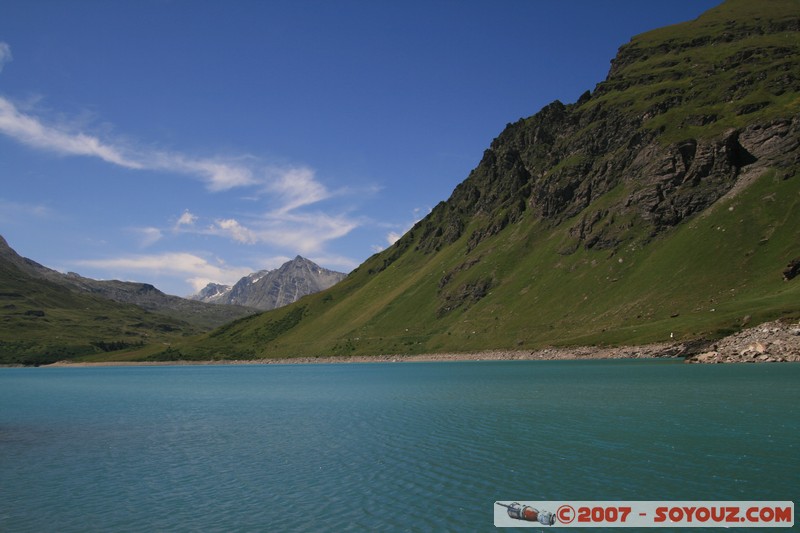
(770, 342)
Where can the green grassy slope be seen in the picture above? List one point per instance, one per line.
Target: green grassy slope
(505, 263)
(734, 65)
(700, 280)
(43, 322)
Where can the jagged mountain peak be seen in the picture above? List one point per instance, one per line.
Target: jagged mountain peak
(270, 289)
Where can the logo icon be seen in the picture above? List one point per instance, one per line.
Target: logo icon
(565, 514)
(528, 513)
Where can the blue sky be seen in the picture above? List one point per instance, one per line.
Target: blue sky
(179, 142)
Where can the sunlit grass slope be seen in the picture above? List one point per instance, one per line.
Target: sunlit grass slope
(505, 263)
(43, 322)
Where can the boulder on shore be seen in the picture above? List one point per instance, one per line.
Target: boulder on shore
(771, 342)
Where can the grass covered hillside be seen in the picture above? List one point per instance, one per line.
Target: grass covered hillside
(665, 204)
(44, 322)
(706, 278)
(735, 65)
(47, 316)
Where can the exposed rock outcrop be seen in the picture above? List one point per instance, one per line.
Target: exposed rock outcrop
(270, 289)
(662, 129)
(792, 270)
(770, 342)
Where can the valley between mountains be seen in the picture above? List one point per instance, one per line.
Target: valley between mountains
(658, 215)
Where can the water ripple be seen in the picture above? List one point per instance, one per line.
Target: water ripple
(413, 447)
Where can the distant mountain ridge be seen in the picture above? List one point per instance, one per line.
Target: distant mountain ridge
(142, 295)
(270, 289)
(47, 316)
(43, 318)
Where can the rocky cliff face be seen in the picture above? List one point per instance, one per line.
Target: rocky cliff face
(680, 119)
(270, 289)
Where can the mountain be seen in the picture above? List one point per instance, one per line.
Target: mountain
(211, 293)
(144, 295)
(270, 289)
(661, 205)
(44, 321)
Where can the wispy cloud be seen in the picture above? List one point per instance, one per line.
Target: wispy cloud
(289, 189)
(5, 54)
(232, 228)
(14, 211)
(192, 268)
(217, 173)
(148, 236)
(186, 219)
(303, 233)
(30, 131)
(289, 220)
(393, 236)
(296, 187)
(292, 217)
(307, 232)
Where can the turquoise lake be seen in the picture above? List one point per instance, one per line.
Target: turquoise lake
(382, 446)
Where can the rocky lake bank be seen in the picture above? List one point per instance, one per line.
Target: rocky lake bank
(771, 342)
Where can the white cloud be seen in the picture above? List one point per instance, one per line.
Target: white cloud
(233, 229)
(393, 236)
(149, 236)
(13, 211)
(293, 187)
(29, 130)
(308, 232)
(186, 219)
(296, 187)
(218, 175)
(302, 233)
(5, 54)
(285, 223)
(289, 190)
(192, 268)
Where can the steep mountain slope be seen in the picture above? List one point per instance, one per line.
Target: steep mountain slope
(146, 296)
(270, 289)
(42, 321)
(663, 205)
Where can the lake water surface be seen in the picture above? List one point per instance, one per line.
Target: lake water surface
(382, 446)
